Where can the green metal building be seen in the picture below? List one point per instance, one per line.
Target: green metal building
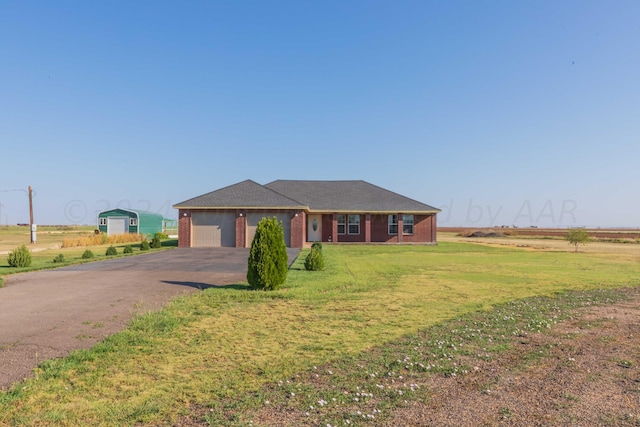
(122, 221)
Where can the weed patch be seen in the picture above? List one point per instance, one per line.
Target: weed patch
(362, 389)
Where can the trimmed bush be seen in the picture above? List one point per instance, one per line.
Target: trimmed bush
(20, 257)
(268, 260)
(144, 246)
(314, 260)
(111, 251)
(88, 254)
(160, 235)
(317, 245)
(127, 250)
(59, 258)
(156, 243)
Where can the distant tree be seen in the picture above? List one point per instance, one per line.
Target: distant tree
(268, 261)
(577, 236)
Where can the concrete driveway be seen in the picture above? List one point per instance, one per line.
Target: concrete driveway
(47, 314)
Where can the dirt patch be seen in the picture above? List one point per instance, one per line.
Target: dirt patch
(586, 371)
(485, 234)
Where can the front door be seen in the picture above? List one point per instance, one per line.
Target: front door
(314, 228)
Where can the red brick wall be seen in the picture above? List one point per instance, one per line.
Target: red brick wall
(184, 228)
(380, 229)
(424, 230)
(298, 229)
(241, 229)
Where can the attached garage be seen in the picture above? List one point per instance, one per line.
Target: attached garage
(254, 218)
(213, 229)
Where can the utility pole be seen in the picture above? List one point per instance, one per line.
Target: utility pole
(31, 228)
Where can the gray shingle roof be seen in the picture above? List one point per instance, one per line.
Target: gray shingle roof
(245, 194)
(347, 196)
(319, 196)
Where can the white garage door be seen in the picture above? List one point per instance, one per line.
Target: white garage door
(117, 225)
(254, 218)
(213, 229)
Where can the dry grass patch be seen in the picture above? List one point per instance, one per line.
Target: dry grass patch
(101, 239)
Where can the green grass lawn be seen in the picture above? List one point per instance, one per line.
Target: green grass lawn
(222, 343)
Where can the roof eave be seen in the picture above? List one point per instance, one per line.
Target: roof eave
(389, 212)
(242, 207)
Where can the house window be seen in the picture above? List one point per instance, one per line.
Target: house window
(407, 224)
(103, 221)
(354, 224)
(342, 224)
(393, 224)
(133, 222)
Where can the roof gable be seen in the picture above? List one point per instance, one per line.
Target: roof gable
(245, 194)
(347, 196)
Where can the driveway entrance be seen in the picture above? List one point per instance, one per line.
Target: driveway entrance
(47, 314)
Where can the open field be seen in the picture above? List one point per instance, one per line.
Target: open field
(596, 233)
(631, 250)
(46, 238)
(224, 355)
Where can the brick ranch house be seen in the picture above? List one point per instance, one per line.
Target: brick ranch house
(326, 211)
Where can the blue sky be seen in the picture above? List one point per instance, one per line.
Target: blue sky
(497, 112)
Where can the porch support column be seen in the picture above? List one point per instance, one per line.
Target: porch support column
(367, 228)
(334, 228)
(400, 227)
(434, 229)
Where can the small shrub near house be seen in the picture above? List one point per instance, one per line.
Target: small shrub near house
(144, 246)
(317, 245)
(268, 260)
(127, 250)
(20, 257)
(111, 251)
(155, 242)
(314, 260)
(160, 235)
(88, 254)
(59, 258)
